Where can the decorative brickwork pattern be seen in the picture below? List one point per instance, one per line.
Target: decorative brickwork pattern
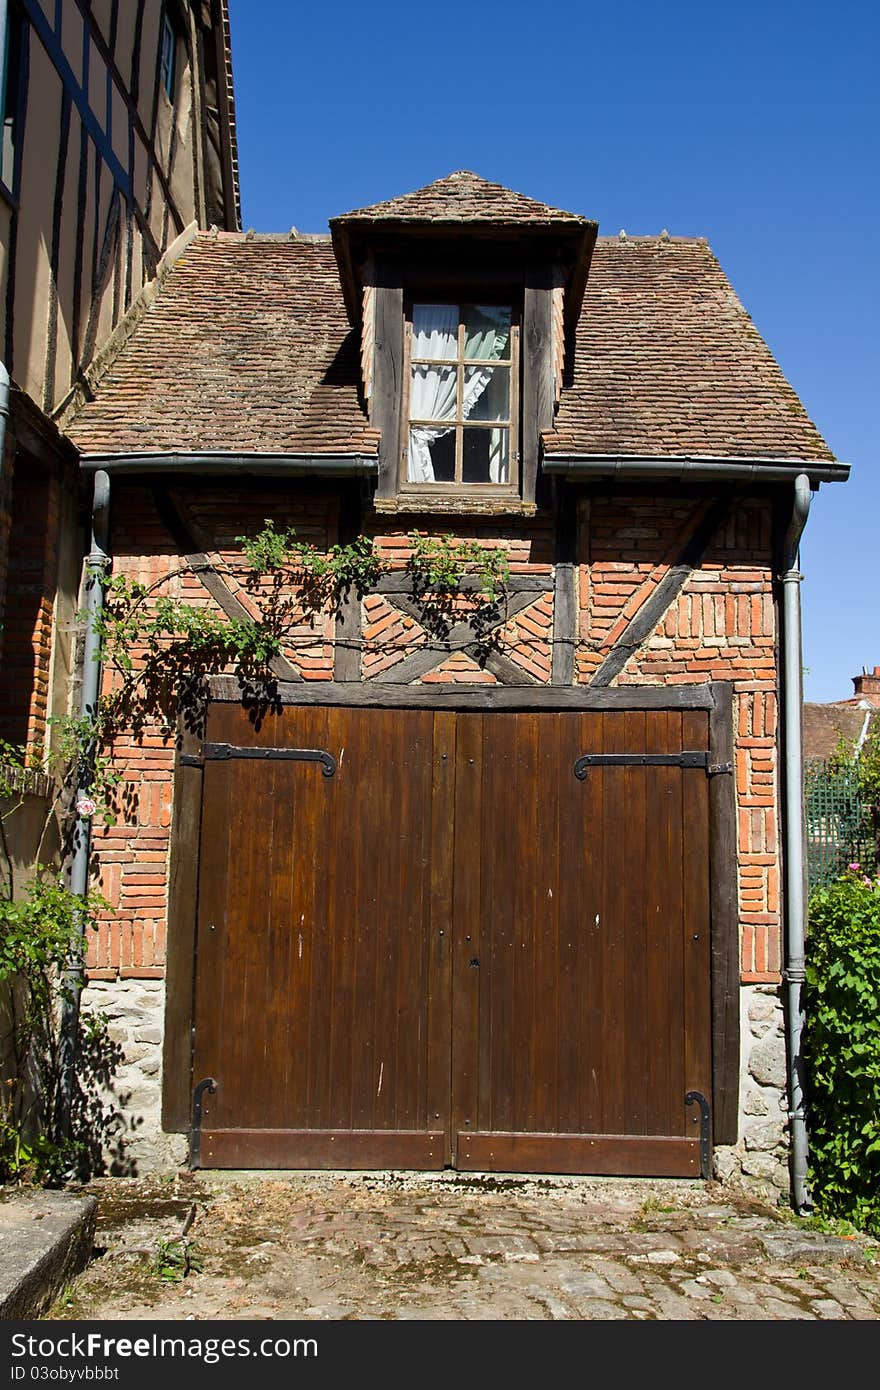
(527, 638)
(388, 636)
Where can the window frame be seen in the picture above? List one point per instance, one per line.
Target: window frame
(169, 26)
(11, 102)
(458, 487)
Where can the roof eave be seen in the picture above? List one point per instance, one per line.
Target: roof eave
(217, 463)
(695, 467)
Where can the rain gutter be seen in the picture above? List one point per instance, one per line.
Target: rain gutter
(219, 462)
(695, 468)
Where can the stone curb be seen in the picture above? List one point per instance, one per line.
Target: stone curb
(45, 1239)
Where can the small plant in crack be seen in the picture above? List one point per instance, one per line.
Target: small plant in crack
(176, 1259)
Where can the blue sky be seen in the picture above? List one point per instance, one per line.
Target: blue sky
(756, 125)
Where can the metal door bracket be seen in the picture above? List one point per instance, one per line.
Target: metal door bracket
(195, 1143)
(689, 758)
(697, 1097)
(221, 752)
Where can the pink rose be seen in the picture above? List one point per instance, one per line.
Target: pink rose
(85, 807)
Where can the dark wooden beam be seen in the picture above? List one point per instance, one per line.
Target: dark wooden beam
(537, 371)
(652, 611)
(402, 583)
(55, 253)
(723, 898)
(209, 576)
(565, 599)
(387, 395)
(372, 694)
(462, 637)
(183, 885)
(12, 250)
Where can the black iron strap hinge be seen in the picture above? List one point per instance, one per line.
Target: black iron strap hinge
(689, 758)
(220, 752)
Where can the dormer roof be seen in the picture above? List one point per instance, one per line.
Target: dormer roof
(464, 209)
(463, 197)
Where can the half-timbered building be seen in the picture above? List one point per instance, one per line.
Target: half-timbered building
(118, 144)
(510, 891)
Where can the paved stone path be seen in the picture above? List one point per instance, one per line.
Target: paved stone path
(358, 1246)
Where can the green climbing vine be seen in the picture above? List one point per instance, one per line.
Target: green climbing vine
(155, 650)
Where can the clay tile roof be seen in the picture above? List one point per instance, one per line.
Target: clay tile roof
(826, 725)
(246, 349)
(668, 362)
(463, 197)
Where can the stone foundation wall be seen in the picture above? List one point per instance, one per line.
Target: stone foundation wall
(759, 1160)
(134, 1010)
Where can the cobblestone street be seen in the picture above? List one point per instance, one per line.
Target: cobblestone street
(380, 1246)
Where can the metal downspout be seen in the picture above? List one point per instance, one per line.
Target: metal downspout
(96, 570)
(795, 898)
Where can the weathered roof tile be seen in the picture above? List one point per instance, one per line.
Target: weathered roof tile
(462, 197)
(247, 348)
(667, 361)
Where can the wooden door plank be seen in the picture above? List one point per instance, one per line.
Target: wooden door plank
(615, 872)
(183, 887)
(212, 929)
(404, 927)
(543, 854)
(467, 941)
(663, 925)
(439, 981)
(697, 933)
(599, 1154)
(725, 922)
(635, 833)
(524, 849)
(321, 1148)
(584, 855)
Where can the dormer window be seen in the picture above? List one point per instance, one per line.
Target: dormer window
(463, 295)
(462, 396)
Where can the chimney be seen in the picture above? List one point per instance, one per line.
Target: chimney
(867, 686)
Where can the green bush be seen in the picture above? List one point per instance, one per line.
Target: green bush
(842, 1048)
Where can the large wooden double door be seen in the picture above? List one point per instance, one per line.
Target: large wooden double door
(434, 937)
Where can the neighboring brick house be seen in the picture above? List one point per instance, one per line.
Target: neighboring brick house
(501, 894)
(825, 725)
(118, 141)
(840, 828)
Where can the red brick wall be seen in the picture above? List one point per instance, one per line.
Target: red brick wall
(31, 578)
(720, 627)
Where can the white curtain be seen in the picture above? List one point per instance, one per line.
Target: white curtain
(433, 389)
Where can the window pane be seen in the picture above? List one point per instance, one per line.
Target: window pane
(167, 56)
(435, 330)
(487, 393)
(431, 456)
(486, 456)
(433, 393)
(486, 331)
